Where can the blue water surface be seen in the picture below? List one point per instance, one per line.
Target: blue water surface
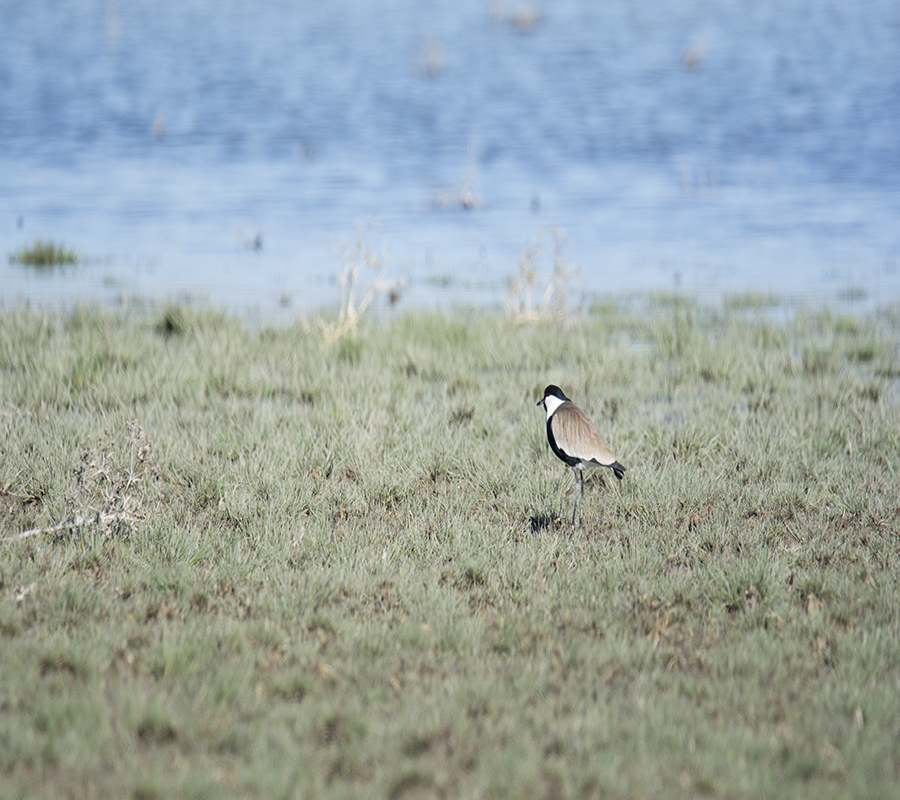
(243, 154)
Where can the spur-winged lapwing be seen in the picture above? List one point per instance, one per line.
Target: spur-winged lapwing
(574, 439)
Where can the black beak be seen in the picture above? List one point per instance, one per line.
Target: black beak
(540, 402)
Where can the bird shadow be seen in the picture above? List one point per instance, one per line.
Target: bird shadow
(545, 521)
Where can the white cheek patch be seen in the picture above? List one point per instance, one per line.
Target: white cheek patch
(552, 402)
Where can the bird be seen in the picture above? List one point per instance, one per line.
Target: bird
(574, 439)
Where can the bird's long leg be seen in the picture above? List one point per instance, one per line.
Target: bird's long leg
(581, 501)
(577, 482)
(581, 518)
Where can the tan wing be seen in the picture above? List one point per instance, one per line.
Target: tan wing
(576, 435)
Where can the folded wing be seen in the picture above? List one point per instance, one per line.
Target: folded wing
(577, 437)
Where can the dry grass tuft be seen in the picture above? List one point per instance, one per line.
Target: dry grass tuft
(358, 257)
(468, 196)
(554, 302)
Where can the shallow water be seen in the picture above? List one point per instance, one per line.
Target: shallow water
(235, 155)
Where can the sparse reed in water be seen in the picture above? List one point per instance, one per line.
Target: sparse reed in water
(554, 302)
(44, 253)
(356, 257)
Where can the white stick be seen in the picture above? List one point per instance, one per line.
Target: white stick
(79, 521)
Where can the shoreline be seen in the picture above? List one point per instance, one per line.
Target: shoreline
(778, 305)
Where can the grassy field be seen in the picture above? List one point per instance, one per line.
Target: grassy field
(259, 566)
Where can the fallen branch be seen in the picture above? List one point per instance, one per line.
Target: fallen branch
(77, 522)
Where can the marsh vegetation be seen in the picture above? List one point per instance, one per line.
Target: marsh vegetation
(44, 253)
(259, 565)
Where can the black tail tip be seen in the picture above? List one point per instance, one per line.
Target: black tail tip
(618, 469)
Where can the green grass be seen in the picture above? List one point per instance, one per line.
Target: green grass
(348, 571)
(44, 254)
